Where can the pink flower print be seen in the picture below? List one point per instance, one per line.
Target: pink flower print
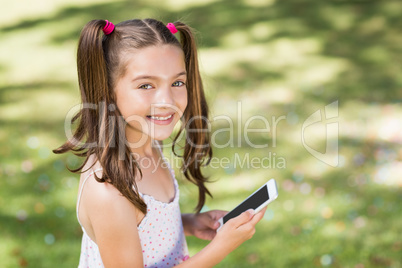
(186, 258)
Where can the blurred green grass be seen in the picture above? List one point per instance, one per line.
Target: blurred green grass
(279, 58)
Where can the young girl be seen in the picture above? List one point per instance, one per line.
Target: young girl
(137, 81)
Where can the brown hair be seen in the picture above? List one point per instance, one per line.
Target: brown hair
(100, 62)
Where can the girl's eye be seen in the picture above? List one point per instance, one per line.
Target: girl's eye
(178, 84)
(145, 86)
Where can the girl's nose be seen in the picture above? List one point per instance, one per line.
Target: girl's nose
(165, 96)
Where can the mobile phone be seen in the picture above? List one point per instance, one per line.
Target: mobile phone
(257, 201)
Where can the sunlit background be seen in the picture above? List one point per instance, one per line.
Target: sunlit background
(339, 178)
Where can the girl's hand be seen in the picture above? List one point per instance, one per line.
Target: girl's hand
(203, 225)
(237, 230)
(232, 234)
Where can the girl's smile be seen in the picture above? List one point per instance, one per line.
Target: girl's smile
(160, 119)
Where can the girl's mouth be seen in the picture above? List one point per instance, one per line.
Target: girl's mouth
(161, 120)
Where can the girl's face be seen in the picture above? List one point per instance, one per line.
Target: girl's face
(152, 94)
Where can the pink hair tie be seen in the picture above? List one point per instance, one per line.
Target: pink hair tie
(172, 28)
(109, 27)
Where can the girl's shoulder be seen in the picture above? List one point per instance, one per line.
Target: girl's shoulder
(101, 191)
(101, 201)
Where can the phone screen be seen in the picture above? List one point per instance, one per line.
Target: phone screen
(253, 202)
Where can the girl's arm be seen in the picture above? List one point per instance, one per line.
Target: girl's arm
(231, 235)
(113, 220)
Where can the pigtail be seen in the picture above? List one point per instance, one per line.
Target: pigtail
(198, 145)
(100, 124)
(92, 76)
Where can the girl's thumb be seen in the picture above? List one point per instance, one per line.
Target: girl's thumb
(251, 212)
(248, 214)
(243, 218)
